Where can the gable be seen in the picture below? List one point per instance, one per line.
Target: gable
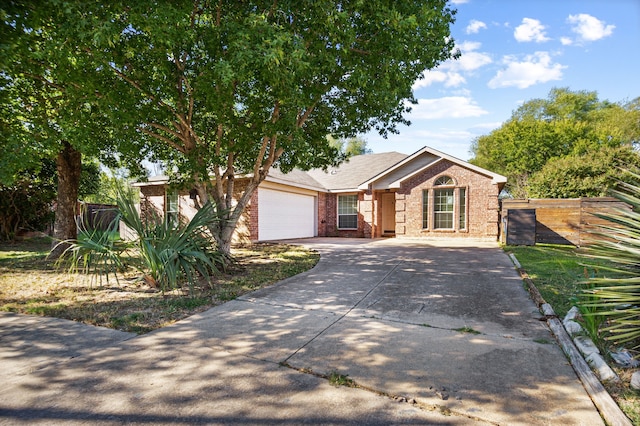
(420, 162)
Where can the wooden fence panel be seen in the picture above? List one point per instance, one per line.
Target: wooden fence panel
(561, 221)
(97, 216)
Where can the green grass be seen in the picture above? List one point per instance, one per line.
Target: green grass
(337, 379)
(467, 329)
(556, 271)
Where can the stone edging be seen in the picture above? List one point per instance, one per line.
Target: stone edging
(608, 408)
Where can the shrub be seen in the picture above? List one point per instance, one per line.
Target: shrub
(167, 255)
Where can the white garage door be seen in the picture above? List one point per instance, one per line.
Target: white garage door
(285, 215)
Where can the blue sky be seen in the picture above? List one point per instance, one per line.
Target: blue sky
(514, 51)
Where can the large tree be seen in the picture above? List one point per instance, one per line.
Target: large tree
(219, 89)
(567, 125)
(46, 111)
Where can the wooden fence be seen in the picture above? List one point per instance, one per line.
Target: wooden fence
(553, 221)
(97, 216)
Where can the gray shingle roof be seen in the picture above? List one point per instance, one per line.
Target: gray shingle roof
(295, 177)
(358, 169)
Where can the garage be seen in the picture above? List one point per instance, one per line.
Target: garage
(284, 215)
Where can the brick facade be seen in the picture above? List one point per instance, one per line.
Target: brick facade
(482, 207)
(393, 205)
(331, 219)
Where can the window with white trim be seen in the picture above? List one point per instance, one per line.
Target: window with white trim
(347, 212)
(443, 208)
(425, 209)
(172, 209)
(443, 203)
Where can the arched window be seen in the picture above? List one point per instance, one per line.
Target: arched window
(443, 203)
(444, 181)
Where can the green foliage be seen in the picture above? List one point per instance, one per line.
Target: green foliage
(616, 296)
(171, 255)
(109, 185)
(351, 146)
(582, 175)
(26, 203)
(89, 179)
(228, 87)
(168, 256)
(556, 132)
(338, 379)
(96, 253)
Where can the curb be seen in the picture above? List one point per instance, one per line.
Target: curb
(608, 408)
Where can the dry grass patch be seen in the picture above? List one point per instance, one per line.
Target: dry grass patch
(31, 284)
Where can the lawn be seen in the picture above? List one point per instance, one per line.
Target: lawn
(556, 270)
(558, 273)
(31, 284)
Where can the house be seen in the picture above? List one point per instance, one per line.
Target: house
(424, 194)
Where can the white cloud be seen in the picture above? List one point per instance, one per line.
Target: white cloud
(533, 69)
(459, 1)
(566, 41)
(471, 61)
(451, 73)
(450, 79)
(589, 28)
(447, 107)
(475, 26)
(530, 30)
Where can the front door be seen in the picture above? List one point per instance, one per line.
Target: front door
(388, 210)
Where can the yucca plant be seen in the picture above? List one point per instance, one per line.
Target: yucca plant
(96, 253)
(171, 255)
(615, 293)
(166, 255)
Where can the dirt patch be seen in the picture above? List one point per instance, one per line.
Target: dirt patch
(31, 284)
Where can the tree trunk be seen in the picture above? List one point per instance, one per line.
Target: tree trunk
(69, 165)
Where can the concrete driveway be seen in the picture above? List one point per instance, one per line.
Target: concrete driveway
(438, 333)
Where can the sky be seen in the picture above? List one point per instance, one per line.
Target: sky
(514, 51)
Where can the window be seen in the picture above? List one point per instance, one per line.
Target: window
(444, 180)
(172, 208)
(443, 208)
(425, 209)
(347, 212)
(462, 208)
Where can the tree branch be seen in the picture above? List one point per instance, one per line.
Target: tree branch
(165, 139)
(137, 86)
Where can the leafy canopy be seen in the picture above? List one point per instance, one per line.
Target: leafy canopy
(228, 87)
(551, 136)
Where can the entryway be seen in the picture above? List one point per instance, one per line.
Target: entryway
(388, 212)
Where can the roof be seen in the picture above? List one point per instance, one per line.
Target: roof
(356, 170)
(295, 177)
(380, 171)
(419, 161)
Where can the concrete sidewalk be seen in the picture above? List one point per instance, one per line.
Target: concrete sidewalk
(449, 326)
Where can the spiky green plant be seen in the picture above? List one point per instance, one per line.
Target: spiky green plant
(167, 256)
(615, 293)
(170, 255)
(97, 253)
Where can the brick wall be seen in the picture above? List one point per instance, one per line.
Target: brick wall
(482, 203)
(331, 225)
(322, 214)
(152, 202)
